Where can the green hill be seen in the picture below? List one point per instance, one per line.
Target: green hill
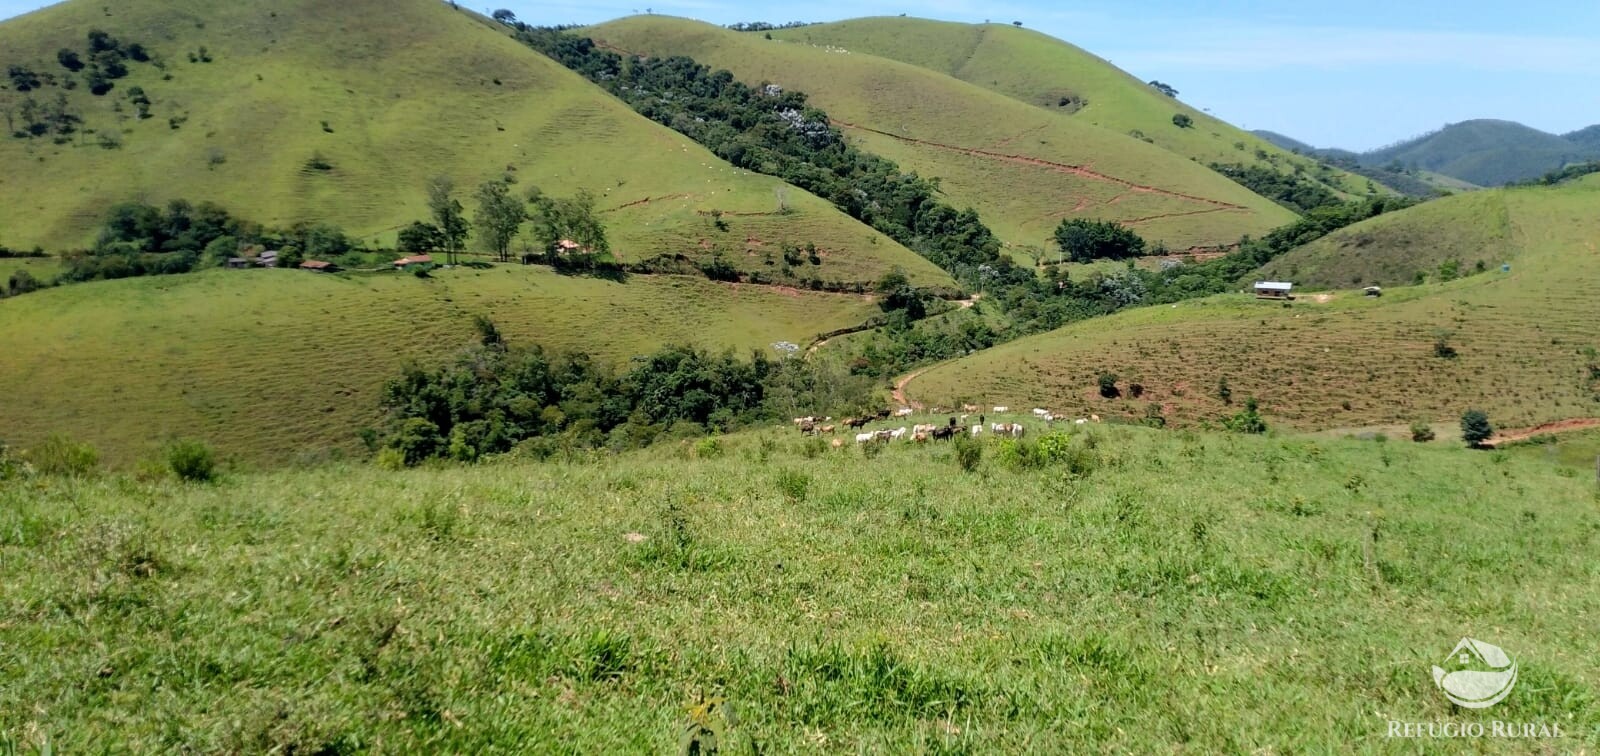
(1024, 169)
(1524, 340)
(268, 364)
(1391, 250)
(340, 112)
(1587, 138)
(1046, 72)
(1485, 152)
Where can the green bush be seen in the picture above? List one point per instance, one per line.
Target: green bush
(709, 447)
(59, 455)
(1248, 421)
(969, 452)
(1421, 432)
(192, 461)
(390, 458)
(1016, 454)
(1475, 428)
(813, 447)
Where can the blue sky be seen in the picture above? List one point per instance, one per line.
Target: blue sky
(1356, 74)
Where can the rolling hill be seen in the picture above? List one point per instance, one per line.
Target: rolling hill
(1049, 73)
(1524, 340)
(1485, 152)
(1023, 168)
(309, 111)
(1587, 138)
(267, 364)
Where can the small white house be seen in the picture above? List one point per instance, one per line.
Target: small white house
(1273, 290)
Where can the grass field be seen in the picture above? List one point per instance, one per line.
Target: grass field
(1041, 70)
(42, 268)
(270, 364)
(1391, 249)
(388, 94)
(1525, 340)
(982, 145)
(1162, 598)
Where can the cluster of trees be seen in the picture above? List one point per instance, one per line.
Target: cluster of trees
(499, 220)
(1163, 88)
(1568, 173)
(1082, 240)
(495, 397)
(763, 26)
(1293, 191)
(140, 240)
(106, 60)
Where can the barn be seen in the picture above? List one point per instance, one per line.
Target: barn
(1273, 290)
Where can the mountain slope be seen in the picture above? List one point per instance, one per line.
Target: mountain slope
(381, 95)
(1485, 152)
(1023, 168)
(1587, 138)
(1046, 72)
(1523, 339)
(267, 364)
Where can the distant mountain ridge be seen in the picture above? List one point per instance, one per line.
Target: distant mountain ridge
(1485, 152)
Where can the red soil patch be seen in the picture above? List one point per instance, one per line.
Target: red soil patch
(1560, 426)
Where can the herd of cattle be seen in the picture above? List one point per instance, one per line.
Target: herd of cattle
(919, 433)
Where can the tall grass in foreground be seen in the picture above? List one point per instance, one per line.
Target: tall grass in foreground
(1167, 592)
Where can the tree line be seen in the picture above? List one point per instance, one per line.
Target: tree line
(495, 397)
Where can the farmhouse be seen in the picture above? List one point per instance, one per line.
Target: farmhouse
(268, 259)
(405, 263)
(567, 246)
(238, 262)
(319, 266)
(1273, 290)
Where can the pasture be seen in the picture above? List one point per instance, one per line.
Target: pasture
(270, 364)
(1162, 591)
(1054, 75)
(1520, 345)
(980, 144)
(293, 80)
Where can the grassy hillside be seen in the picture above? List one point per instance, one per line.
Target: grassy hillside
(1023, 168)
(1485, 152)
(1169, 601)
(269, 364)
(387, 94)
(1046, 72)
(1392, 249)
(1525, 339)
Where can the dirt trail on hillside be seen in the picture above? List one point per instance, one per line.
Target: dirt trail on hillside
(899, 393)
(1559, 426)
(1076, 170)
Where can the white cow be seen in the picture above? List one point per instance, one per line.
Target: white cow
(1040, 412)
(862, 438)
(898, 433)
(904, 412)
(1002, 409)
(1081, 421)
(977, 430)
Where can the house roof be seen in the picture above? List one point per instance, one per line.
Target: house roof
(568, 244)
(414, 259)
(1274, 285)
(316, 264)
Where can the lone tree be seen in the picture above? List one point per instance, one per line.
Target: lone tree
(505, 16)
(1082, 240)
(1108, 386)
(1475, 428)
(1164, 88)
(499, 218)
(420, 237)
(448, 216)
(1182, 121)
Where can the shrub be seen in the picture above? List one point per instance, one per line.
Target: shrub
(709, 447)
(1442, 348)
(1475, 428)
(1248, 421)
(1421, 432)
(813, 447)
(1153, 416)
(871, 449)
(1182, 121)
(969, 452)
(1224, 392)
(59, 455)
(192, 461)
(1016, 454)
(1108, 386)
